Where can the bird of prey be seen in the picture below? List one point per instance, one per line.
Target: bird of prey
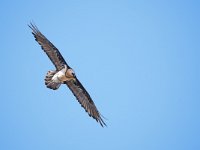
(64, 74)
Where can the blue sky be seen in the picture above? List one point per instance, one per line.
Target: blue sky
(139, 60)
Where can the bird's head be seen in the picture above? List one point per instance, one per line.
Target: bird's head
(70, 73)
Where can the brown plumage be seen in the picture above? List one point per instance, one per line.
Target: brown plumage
(73, 83)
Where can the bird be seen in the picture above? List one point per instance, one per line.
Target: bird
(64, 74)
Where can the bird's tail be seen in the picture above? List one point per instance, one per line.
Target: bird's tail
(49, 82)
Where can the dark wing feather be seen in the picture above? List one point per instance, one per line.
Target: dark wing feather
(85, 100)
(51, 51)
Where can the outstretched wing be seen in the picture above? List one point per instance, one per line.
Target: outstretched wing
(51, 51)
(85, 100)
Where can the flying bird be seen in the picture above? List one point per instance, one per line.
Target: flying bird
(64, 74)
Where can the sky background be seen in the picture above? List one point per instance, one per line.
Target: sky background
(139, 60)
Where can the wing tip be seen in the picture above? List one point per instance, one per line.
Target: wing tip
(33, 27)
(97, 117)
(101, 121)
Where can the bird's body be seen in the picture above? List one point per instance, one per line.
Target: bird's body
(55, 78)
(64, 74)
(59, 77)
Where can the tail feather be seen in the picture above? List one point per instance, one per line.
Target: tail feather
(48, 81)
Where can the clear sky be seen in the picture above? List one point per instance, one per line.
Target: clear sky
(139, 60)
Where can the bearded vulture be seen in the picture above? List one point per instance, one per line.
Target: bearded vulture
(64, 74)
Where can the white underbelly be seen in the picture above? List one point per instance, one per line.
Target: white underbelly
(59, 77)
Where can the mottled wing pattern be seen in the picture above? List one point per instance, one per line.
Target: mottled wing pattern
(85, 100)
(51, 51)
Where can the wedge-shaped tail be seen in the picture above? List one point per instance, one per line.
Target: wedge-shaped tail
(49, 82)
